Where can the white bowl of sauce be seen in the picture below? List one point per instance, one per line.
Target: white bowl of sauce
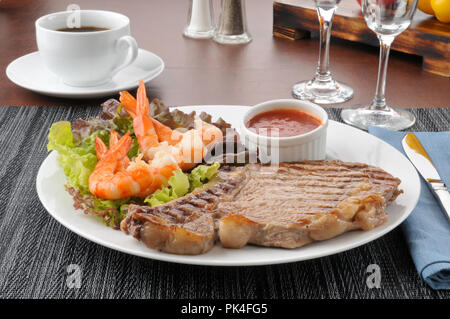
(286, 130)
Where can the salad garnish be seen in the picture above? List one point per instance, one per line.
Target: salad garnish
(86, 145)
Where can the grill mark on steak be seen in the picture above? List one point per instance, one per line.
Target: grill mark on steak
(291, 206)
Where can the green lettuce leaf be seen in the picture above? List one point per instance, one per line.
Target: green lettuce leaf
(202, 174)
(134, 148)
(178, 187)
(78, 162)
(60, 135)
(180, 184)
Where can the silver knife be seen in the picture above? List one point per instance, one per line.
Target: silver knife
(419, 157)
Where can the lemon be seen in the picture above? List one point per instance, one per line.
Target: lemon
(441, 9)
(424, 6)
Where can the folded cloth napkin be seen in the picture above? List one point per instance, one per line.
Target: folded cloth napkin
(427, 229)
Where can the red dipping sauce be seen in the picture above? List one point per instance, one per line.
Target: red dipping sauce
(289, 122)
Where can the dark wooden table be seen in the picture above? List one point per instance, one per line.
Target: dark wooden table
(203, 72)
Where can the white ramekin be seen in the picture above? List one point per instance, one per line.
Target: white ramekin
(308, 146)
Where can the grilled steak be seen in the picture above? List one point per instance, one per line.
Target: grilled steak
(186, 225)
(288, 206)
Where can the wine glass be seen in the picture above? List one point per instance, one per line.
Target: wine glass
(322, 88)
(387, 18)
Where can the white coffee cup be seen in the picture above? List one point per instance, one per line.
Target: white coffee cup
(85, 58)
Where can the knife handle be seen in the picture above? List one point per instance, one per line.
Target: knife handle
(442, 194)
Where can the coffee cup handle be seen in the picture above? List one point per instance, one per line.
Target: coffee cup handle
(126, 43)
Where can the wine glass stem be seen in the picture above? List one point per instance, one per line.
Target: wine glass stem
(325, 20)
(379, 102)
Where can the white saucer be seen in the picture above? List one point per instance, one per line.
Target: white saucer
(30, 73)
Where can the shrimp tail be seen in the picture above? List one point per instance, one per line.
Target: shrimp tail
(142, 124)
(142, 106)
(100, 148)
(166, 134)
(113, 138)
(122, 146)
(129, 103)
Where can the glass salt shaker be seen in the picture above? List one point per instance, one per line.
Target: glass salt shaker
(232, 26)
(200, 22)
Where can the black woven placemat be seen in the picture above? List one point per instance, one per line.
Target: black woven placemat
(35, 250)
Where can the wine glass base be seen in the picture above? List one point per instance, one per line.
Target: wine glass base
(363, 116)
(322, 92)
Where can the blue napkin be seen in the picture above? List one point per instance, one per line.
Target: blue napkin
(427, 229)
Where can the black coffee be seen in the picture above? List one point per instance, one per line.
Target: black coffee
(83, 29)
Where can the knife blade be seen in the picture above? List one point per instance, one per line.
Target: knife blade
(424, 165)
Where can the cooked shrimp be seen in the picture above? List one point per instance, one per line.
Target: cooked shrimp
(115, 176)
(153, 136)
(187, 148)
(209, 133)
(164, 133)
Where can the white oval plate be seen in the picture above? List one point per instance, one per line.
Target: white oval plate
(30, 73)
(344, 142)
